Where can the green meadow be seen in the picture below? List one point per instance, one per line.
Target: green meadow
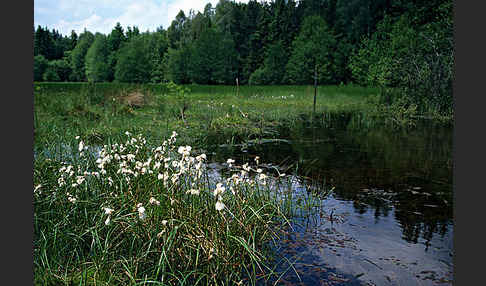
(98, 112)
(122, 195)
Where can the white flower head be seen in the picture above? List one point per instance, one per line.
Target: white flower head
(219, 189)
(201, 157)
(219, 205)
(164, 222)
(110, 181)
(108, 211)
(79, 180)
(230, 162)
(107, 221)
(141, 213)
(80, 146)
(246, 167)
(184, 150)
(193, 192)
(153, 201)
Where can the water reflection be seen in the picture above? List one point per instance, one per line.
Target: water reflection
(393, 188)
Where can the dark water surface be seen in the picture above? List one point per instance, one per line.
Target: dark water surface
(389, 220)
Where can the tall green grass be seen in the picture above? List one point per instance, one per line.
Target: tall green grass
(131, 214)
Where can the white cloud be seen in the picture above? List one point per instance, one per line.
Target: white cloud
(186, 5)
(145, 14)
(94, 24)
(102, 15)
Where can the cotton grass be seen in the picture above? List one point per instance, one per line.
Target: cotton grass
(162, 217)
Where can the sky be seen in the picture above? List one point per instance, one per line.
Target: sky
(102, 15)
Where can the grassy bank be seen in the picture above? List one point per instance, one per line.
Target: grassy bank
(200, 114)
(130, 214)
(146, 211)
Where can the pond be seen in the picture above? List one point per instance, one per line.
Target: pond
(389, 219)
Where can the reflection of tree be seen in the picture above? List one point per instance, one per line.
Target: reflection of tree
(343, 153)
(417, 219)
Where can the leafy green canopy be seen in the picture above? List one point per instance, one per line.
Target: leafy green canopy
(78, 55)
(213, 59)
(96, 62)
(312, 49)
(416, 60)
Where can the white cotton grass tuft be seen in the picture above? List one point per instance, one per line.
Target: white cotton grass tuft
(118, 166)
(141, 213)
(153, 201)
(172, 174)
(184, 150)
(80, 146)
(71, 199)
(108, 211)
(246, 167)
(193, 192)
(219, 189)
(219, 205)
(201, 157)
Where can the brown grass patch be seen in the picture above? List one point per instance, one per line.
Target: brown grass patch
(134, 99)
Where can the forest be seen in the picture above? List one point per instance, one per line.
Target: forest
(405, 48)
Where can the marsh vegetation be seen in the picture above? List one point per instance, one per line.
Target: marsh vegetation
(119, 198)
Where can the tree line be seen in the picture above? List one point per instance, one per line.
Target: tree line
(388, 43)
